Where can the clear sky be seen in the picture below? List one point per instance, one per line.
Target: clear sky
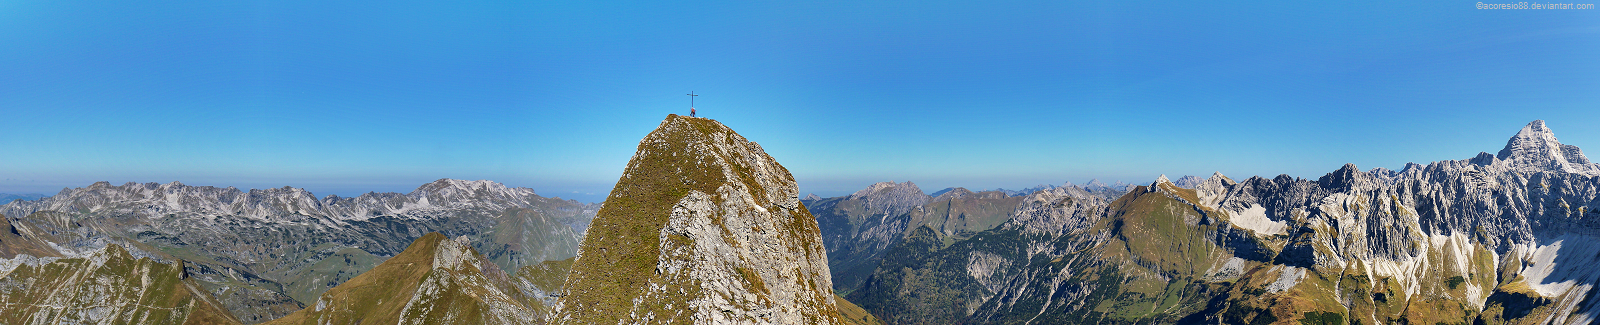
(345, 98)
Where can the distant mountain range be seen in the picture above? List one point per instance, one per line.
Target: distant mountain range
(1497, 238)
(8, 197)
(267, 253)
(705, 227)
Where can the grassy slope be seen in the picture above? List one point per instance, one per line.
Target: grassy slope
(328, 272)
(378, 295)
(854, 314)
(547, 276)
(960, 218)
(12, 242)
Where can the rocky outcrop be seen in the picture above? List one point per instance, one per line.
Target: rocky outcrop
(436, 280)
(702, 227)
(109, 286)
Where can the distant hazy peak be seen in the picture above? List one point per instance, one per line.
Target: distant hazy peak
(1189, 181)
(892, 198)
(886, 186)
(953, 193)
(446, 184)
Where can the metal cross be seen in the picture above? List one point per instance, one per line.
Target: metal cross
(691, 98)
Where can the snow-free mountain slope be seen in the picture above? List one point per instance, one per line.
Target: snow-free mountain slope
(702, 227)
(857, 229)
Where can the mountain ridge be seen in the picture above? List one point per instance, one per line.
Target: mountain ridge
(1489, 239)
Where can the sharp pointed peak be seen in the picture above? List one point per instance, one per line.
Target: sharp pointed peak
(1535, 148)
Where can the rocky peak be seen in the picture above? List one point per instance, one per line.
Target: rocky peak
(1057, 211)
(1346, 178)
(1535, 148)
(702, 227)
(892, 198)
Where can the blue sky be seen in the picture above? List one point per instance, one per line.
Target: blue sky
(554, 95)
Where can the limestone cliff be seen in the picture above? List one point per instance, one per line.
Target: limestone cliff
(703, 227)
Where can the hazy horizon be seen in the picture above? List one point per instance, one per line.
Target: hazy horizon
(347, 98)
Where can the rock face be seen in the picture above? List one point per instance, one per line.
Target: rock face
(266, 253)
(703, 227)
(108, 286)
(436, 280)
(1508, 238)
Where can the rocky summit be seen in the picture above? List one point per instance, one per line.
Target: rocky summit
(702, 227)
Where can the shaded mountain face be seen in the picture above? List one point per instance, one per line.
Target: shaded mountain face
(702, 227)
(108, 286)
(436, 280)
(857, 229)
(266, 253)
(1491, 239)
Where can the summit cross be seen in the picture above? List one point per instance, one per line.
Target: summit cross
(691, 102)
